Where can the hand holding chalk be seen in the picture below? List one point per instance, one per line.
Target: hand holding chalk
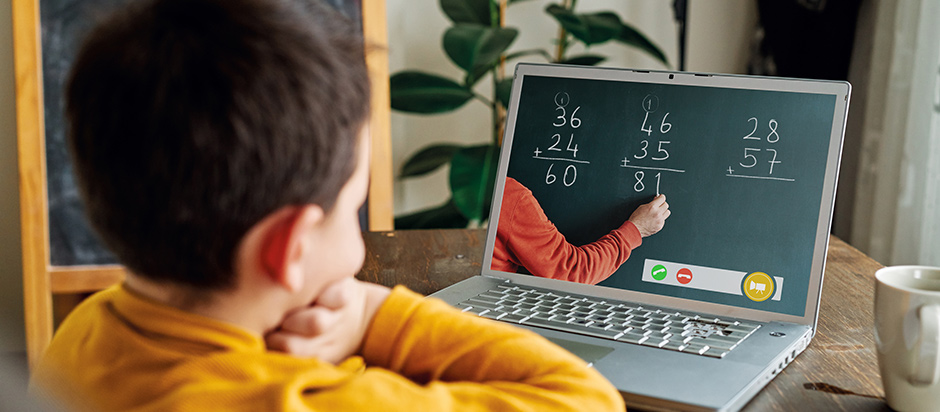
(650, 218)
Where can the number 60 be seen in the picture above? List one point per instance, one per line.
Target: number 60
(569, 171)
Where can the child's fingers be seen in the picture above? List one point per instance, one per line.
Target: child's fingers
(310, 321)
(294, 344)
(281, 341)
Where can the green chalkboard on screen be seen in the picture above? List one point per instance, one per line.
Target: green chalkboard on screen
(742, 170)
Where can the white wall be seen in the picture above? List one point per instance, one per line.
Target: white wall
(719, 38)
(896, 219)
(11, 261)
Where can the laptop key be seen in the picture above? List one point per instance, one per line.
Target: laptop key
(694, 347)
(633, 337)
(513, 318)
(524, 306)
(622, 317)
(600, 325)
(657, 335)
(582, 312)
(543, 316)
(673, 345)
(570, 327)
(561, 319)
(672, 329)
(482, 298)
(511, 299)
(654, 342)
(525, 312)
(477, 311)
(633, 324)
(481, 303)
(546, 306)
(492, 314)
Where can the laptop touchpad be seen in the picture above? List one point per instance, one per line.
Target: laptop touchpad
(590, 353)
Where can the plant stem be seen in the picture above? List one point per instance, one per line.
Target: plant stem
(498, 74)
(483, 99)
(563, 34)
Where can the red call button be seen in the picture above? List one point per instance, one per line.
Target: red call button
(684, 276)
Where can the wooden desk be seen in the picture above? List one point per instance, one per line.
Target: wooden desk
(841, 363)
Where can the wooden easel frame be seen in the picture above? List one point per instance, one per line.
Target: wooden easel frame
(40, 279)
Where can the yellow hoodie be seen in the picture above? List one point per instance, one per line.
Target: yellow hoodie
(120, 352)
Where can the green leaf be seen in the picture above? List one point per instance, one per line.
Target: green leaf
(428, 160)
(474, 48)
(590, 28)
(472, 174)
(417, 92)
(473, 77)
(503, 90)
(584, 60)
(467, 11)
(445, 216)
(633, 37)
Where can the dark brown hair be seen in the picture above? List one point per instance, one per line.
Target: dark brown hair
(192, 120)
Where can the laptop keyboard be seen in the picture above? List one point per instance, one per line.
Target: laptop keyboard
(619, 321)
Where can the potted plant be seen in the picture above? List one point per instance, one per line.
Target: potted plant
(478, 43)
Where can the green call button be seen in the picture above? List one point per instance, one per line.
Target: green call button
(659, 272)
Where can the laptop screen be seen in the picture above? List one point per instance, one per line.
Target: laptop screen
(747, 166)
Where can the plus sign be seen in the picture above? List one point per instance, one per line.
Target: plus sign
(625, 161)
(730, 170)
(537, 152)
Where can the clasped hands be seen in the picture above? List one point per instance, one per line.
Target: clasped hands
(333, 327)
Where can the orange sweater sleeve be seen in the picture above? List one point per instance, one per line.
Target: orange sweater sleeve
(463, 362)
(535, 243)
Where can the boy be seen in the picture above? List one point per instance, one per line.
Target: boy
(220, 148)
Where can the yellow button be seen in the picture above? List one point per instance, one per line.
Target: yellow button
(758, 286)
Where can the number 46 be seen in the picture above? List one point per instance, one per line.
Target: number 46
(664, 127)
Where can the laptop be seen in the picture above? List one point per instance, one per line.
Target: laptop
(704, 313)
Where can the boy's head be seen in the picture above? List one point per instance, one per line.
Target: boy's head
(192, 120)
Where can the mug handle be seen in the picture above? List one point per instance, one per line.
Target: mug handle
(928, 361)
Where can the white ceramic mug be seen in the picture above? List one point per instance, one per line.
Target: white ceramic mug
(907, 332)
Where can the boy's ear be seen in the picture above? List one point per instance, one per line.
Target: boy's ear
(284, 243)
